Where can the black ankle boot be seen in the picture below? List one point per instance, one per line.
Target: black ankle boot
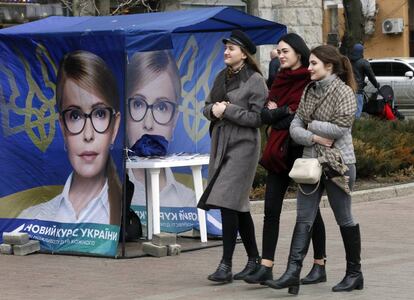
(252, 265)
(353, 280)
(317, 274)
(223, 273)
(262, 274)
(298, 249)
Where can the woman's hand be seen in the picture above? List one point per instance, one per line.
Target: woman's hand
(271, 105)
(322, 141)
(219, 108)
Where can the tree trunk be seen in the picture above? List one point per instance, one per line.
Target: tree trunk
(103, 7)
(354, 25)
(75, 8)
(83, 8)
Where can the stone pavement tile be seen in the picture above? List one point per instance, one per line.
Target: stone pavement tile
(30, 247)
(154, 250)
(6, 249)
(173, 249)
(164, 239)
(15, 238)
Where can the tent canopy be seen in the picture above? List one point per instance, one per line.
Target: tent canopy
(153, 31)
(32, 144)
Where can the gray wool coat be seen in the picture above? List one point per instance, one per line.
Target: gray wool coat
(235, 139)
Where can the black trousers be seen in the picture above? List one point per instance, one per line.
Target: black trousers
(276, 186)
(233, 222)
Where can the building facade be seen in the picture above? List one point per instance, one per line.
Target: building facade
(14, 12)
(301, 16)
(389, 26)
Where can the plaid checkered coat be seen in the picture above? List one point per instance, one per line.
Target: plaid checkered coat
(330, 115)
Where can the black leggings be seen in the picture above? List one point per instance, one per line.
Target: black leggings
(276, 186)
(233, 221)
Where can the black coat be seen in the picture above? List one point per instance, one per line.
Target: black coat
(361, 68)
(274, 66)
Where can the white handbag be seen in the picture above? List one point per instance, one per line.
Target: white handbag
(307, 171)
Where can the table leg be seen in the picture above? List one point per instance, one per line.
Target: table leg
(198, 187)
(155, 196)
(148, 195)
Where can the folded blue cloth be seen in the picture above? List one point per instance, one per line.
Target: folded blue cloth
(150, 145)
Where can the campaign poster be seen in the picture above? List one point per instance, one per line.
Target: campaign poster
(165, 94)
(61, 140)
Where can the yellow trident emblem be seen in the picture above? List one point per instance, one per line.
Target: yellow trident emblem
(190, 106)
(34, 120)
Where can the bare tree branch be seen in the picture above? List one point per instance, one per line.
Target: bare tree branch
(125, 4)
(96, 8)
(82, 7)
(149, 5)
(67, 4)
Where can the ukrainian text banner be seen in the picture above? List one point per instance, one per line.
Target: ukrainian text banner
(87, 238)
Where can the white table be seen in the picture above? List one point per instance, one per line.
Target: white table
(152, 168)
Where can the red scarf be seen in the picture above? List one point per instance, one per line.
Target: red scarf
(288, 87)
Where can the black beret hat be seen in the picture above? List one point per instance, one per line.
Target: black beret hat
(239, 38)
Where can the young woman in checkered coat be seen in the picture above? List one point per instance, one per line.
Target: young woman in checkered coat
(322, 124)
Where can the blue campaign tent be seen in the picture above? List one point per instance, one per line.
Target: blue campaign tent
(33, 152)
(153, 31)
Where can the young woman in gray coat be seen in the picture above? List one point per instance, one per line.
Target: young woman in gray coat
(323, 125)
(233, 107)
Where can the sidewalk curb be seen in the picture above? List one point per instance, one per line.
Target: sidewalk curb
(257, 207)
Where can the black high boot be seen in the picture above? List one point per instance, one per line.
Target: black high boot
(317, 274)
(253, 263)
(262, 274)
(223, 273)
(298, 249)
(353, 277)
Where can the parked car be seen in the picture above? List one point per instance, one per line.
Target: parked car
(397, 72)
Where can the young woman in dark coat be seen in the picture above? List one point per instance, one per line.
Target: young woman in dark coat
(283, 100)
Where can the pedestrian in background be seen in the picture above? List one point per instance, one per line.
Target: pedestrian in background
(233, 107)
(283, 100)
(361, 69)
(274, 66)
(323, 125)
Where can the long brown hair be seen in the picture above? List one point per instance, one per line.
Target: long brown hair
(251, 61)
(341, 66)
(91, 73)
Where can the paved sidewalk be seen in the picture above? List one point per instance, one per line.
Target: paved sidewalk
(388, 264)
(375, 194)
